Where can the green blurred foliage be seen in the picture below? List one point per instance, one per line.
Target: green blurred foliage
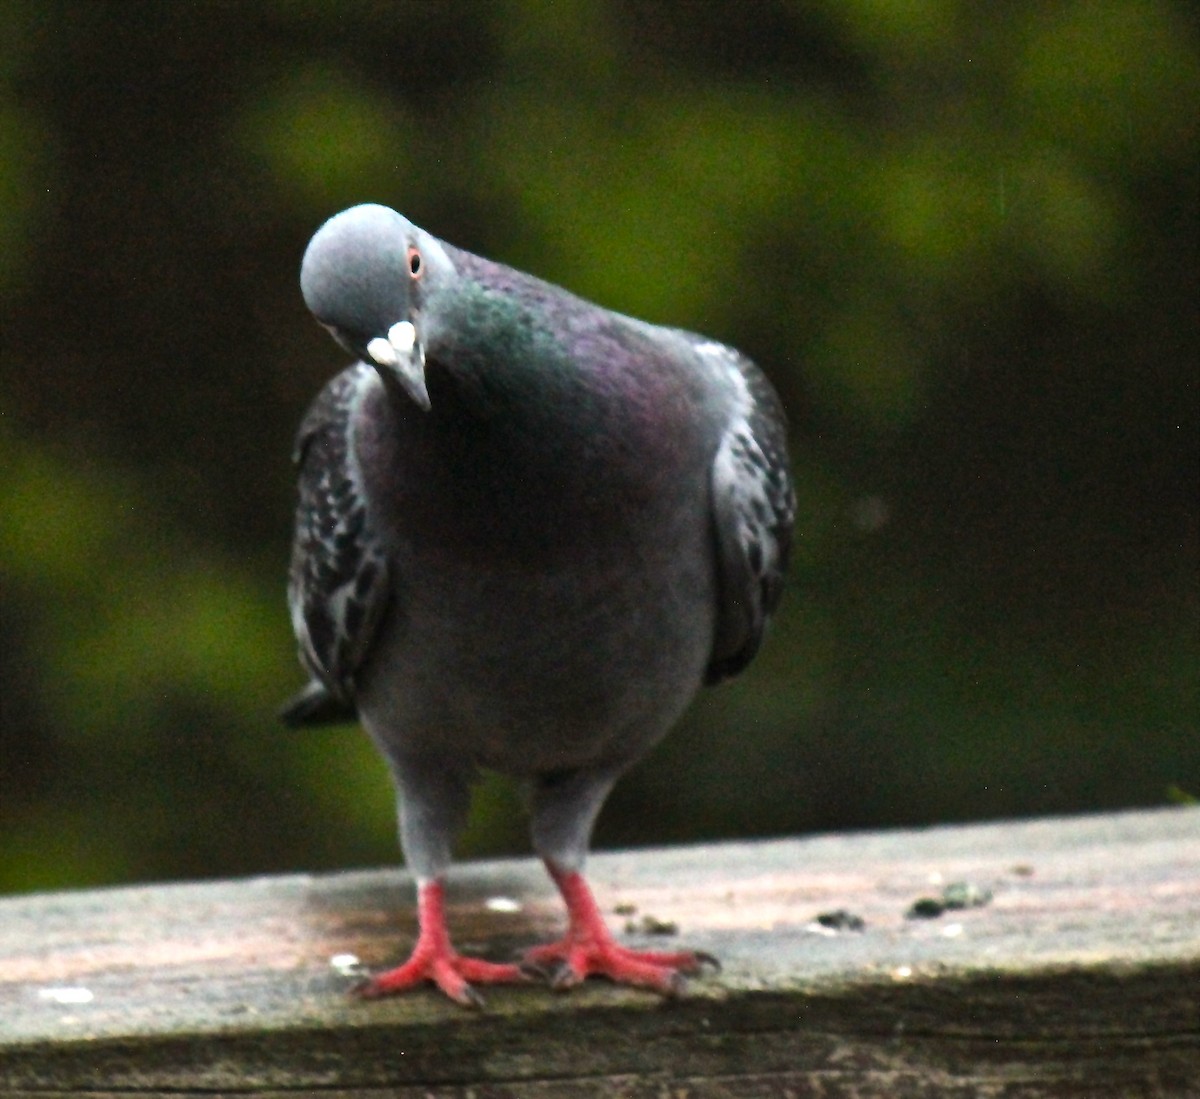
(961, 237)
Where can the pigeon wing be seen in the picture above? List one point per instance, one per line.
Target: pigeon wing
(753, 505)
(338, 586)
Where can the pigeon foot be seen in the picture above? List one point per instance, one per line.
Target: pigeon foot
(589, 949)
(570, 961)
(453, 973)
(435, 959)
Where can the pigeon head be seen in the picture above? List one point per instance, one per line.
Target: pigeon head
(366, 275)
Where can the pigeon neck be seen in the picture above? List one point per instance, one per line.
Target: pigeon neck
(494, 359)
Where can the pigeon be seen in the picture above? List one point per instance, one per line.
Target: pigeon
(529, 530)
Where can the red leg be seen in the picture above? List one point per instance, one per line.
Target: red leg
(588, 948)
(435, 959)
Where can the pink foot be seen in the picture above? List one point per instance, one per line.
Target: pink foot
(435, 959)
(588, 949)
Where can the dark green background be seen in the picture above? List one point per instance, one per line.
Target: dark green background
(961, 237)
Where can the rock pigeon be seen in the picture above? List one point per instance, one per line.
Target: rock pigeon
(529, 529)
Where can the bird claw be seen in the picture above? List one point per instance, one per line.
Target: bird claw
(558, 976)
(567, 963)
(466, 995)
(470, 997)
(536, 971)
(452, 973)
(565, 978)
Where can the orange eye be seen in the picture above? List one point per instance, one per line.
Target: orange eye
(414, 262)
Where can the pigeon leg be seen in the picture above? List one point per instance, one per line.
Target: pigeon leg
(588, 948)
(435, 959)
(565, 806)
(432, 802)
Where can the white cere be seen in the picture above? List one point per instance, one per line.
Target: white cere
(67, 994)
(952, 930)
(382, 352)
(403, 336)
(400, 340)
(502, 904)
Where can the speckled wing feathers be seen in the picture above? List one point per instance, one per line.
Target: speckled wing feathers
(338, 584)
(753, 508)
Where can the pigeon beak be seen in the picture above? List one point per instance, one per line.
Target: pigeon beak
(401, 354)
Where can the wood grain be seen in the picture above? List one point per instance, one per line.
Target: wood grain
(1081, 977)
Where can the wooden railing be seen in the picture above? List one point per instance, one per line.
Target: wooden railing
(1080, 976)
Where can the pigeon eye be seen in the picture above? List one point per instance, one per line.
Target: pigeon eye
(414, 262)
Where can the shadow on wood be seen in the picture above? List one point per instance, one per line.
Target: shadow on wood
(1080, 977)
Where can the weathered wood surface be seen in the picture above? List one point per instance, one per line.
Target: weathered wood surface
(1080, 978)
